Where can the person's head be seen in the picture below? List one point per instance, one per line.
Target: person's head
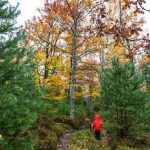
(97, 117)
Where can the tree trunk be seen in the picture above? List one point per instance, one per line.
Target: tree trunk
(73, 72)
(46, 65)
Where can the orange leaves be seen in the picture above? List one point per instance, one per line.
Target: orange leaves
(126, 1)
(83, 31)
(144, 61)
(44, 34)
(89, 3)
(20, 44)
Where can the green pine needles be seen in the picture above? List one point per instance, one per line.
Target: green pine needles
(126, 103)
(20, 98)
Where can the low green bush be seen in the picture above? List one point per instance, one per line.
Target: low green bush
(60, 107)
(66, 120)
(48, 129)
(85, 140)
(60, 128)
(47, 140)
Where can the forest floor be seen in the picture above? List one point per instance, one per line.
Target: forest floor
(64, 140)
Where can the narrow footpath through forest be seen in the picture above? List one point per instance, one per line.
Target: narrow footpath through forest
(64, 141)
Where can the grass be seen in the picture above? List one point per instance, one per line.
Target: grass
(85, 140)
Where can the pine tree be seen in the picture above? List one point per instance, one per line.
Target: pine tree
(126, 103)
(146, 73)
(20, 97)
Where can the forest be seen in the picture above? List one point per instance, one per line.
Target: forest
(76, 59)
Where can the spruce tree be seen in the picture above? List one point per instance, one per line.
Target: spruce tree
(20, 97)
(126, 103)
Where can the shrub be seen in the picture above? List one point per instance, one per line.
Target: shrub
(66, 120)
(85, 140)
(47, 130)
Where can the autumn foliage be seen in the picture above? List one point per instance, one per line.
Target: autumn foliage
(75, 40)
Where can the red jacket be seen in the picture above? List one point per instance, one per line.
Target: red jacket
(97, 123)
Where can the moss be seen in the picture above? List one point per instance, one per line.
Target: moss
(53, 138)
(45, 120)
(42, 130)
(49, 142)
(85, 140)
(62, 119)
(66, 120)
(47, 130)
(67, 126)
(123, 147)
(42, 133)
(59, 129)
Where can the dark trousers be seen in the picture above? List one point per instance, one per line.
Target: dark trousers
(97, 135)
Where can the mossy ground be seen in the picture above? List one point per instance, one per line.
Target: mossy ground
(85, 140)
(47, 130)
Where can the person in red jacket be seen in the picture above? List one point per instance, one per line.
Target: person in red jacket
(96, 125)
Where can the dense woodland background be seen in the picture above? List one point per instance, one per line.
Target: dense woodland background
(75, 59)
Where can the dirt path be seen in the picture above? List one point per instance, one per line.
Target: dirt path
(64, 141)
(105, 137)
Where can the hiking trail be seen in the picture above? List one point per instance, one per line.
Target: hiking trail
(63, 143)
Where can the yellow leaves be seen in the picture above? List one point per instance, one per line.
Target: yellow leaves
(56, 16)
(44, 31)
(53, 80)
(52, 97)
(84, 94)
(89, 3)
(95, 93)
(58, 97)
(56, 86)
(40, 55)
(117, 51)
